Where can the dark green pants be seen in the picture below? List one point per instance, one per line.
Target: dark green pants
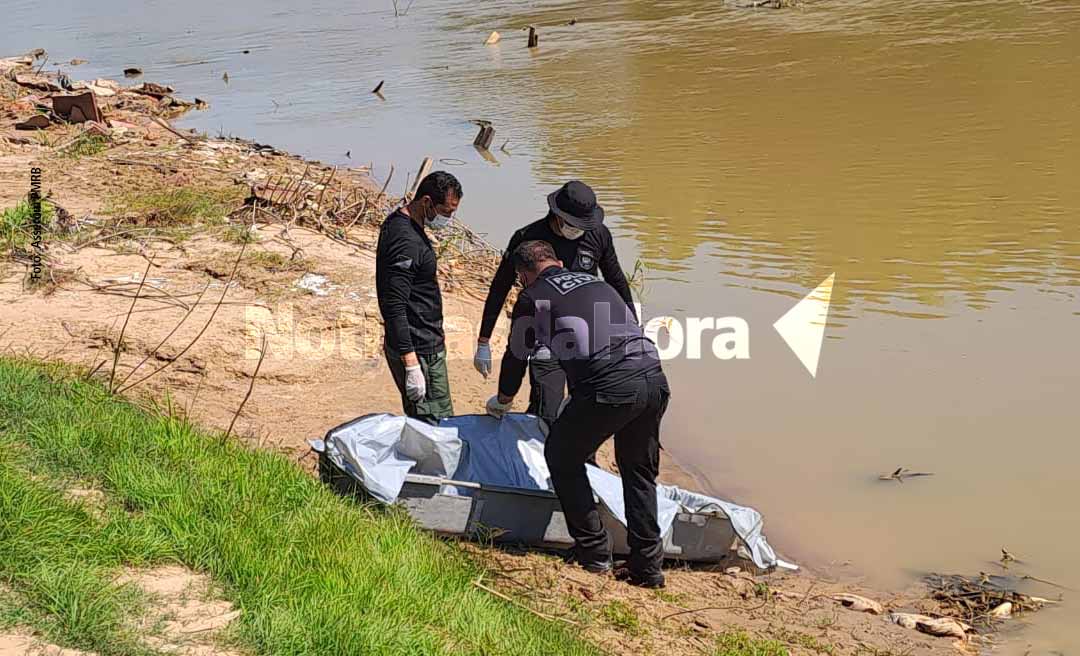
(436, 404)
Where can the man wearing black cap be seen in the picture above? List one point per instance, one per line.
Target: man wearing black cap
(574, 227)
(619, 389)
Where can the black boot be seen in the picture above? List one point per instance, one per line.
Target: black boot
(590, 563)
(652, 579)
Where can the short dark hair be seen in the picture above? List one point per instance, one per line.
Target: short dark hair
(438, 185)
(531, 253)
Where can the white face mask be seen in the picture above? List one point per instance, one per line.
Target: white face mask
(439, 221)
(569, 231)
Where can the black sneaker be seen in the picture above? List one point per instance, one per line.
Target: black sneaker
(642, 580)
(597, 567)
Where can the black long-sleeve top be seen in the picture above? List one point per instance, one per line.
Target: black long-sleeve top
(594, 250)
(407, 286)
(583, 323)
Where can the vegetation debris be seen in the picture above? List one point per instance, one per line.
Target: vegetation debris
(979, 601)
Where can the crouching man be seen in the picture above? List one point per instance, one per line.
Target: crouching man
(618, 388)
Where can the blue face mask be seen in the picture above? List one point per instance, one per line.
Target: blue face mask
(439, 221)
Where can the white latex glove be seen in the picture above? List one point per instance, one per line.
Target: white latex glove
(415, 385)
(482, 359)
(496, 409)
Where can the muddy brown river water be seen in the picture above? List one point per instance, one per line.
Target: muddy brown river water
(926, 152)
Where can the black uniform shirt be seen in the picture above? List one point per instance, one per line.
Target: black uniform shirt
(595, 249)
(585, 325)
(407, 285)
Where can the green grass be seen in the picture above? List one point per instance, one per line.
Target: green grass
(176, 206)
(273, 262)
(45, 139)
(16, 224)
(56, 565)
(312, 572)
(669, 597)
(86, 145)
(239, 233)
(808, 642)
(739, 643)
(621, 615)
(580, 611)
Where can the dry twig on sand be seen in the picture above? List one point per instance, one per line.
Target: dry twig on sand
(120, 340)
(262, 354)
(166, 338)
(731, 607)
(478, 583)
(213, 313)
(186, 137)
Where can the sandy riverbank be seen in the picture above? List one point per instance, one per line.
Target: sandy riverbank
(305, 283)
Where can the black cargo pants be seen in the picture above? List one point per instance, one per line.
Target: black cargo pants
(632, 414)
(547, 382)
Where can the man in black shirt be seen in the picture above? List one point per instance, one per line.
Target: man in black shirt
(407, 285)
(574, 228)
(618, 388)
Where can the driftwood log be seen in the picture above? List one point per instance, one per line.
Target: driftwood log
(485, 136)
(425, 168)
